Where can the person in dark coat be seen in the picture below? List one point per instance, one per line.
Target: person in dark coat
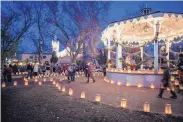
(180, 68)
(9, 73)
(165, 84)
(5, 71)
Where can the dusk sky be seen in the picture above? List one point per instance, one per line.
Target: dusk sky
(119, 11)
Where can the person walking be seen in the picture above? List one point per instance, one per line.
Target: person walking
(180, 68)
(36, 68)
(5, 71)
(9, 73)
(90, 72)
(29, 70)
(165, 84)
(73, 72)
(104, 70)
(47, 69)
(70, 70)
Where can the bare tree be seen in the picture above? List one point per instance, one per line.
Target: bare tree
(11, 34)
(77, 22)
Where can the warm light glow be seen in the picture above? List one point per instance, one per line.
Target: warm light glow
(44, 79)
(112, 82)
(57, 84)
(83, 94)
(97, 98)
(36, 80)
(70, 92)
(3, 84)
(63, 88)
(26, 83)
(40, 83)
(59, 87)
(152, 86)
(107, 81)
(176, 82)
(139, 85)
(51, 79)
(28, 78)
(146, 107)
(54, 82)
(127, 84)
(123, 103)
(172, 78)
(119, 83)
(15, 83)
(168, 109)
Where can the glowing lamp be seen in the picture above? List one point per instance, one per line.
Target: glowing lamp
(26, 83)
(127, 84)
(119, 83)
(108, 81)
(51, 79)
(112, 82)
(36, 80)
(82, 94)
(59, 87)
(176, 82)
(70, 92)
(15, 83)
(63, 88)
(123, 103)
(17, 73)
(168, 109)
(146, 107)
(139, 85)
(3, 84)
(40, 83)
(152, 86)
(54, 82)
(28, 78)
(44, 79)
(172, 78)
(57, 84)
(97, 98)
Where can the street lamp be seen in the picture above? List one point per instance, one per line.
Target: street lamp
(157, 30)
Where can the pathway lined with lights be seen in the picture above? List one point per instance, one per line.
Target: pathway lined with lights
(111, 94)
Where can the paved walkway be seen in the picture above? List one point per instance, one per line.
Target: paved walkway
(112, 94)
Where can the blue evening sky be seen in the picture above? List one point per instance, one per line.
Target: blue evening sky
(118, 11)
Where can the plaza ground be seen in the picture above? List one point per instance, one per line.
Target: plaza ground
(46, 103)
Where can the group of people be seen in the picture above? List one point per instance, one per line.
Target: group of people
(88, 70)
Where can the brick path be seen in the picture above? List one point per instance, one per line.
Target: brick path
(112, 94)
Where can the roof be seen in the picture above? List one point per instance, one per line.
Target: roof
(145, 15)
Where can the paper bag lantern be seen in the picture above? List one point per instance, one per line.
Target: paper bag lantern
(97, 98)
(146, 107)
(82, 94)
(123, 103)
(168, 109)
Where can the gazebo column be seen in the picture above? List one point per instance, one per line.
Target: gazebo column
(118, 56)
(168, 52)
(109, 52)
(142, 56)
(156, 65)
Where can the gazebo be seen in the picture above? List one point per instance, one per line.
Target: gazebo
(142, 30)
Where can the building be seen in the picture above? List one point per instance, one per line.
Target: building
(34, 57)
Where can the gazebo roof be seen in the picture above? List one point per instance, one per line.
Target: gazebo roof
(143, 28)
